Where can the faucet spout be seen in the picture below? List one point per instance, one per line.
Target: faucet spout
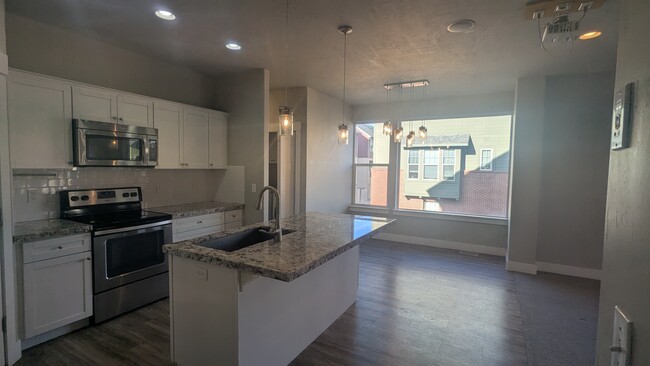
(277, 230)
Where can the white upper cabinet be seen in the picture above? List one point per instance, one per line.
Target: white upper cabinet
(168, 119)
(195, 138)
(135, 111)
(94, 104)
(218, 147)
(40, 122)
(107, 106)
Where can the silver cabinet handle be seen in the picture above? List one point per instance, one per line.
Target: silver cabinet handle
(88, 258)
(199, 222)
(121, 119)
(115, 118)
(60, 247)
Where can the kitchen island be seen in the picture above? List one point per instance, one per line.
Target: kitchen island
(264, 304)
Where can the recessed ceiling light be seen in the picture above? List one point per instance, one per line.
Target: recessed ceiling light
(462, 26)
(233, 46)
(164, 14)
(590, 35)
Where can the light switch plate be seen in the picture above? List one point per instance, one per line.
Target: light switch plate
(622, 340)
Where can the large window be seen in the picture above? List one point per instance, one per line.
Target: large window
(448, 164)
(371, 157)
(414, 164)
(430, 164)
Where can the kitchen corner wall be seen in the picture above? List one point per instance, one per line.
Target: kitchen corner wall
(626, 258)
(35, 197)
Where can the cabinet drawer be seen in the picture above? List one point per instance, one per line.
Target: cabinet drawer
(233, 225)
(233, 216)
(191, 234)
(57, 247)
(197, 222)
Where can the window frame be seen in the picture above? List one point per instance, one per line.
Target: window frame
(424, 164)
(409, 164)
(480, 160)
(442, 155)
(371, 164)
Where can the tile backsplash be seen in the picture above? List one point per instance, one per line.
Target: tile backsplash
(36, 197)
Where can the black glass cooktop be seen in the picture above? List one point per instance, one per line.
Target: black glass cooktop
(122, 219)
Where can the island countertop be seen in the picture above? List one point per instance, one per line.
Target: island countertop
(318, 238)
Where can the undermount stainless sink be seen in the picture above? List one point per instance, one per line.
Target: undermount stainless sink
(243, 239)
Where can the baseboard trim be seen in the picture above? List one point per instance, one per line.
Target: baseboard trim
(521, 267)
(444, 244)
(594, 274)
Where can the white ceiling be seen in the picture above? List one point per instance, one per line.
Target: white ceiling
(393, 40)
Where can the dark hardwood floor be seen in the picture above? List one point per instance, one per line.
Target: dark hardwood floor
(416, 306)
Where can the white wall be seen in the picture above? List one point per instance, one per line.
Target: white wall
(626, 268)
(245, 96)
(49, 50)
(328, 164)
(574, 169)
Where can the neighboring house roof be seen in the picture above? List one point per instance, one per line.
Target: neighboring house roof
(364, 130)
(462, 140)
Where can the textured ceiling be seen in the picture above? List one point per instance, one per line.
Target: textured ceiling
(393, 40)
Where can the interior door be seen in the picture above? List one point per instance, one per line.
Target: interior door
(135, 111)
(94, 104)
(195, 138)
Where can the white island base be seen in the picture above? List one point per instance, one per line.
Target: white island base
(222, 316)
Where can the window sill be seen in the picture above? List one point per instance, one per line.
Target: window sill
(428, 215)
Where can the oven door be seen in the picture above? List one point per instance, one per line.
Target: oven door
(112, 148)
(122, 256)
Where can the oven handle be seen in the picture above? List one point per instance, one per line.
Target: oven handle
(131, 228)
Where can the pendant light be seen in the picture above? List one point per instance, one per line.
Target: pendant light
(397, 134)
(286, 112)
(423, 129)
(410, 137)
(388, 127)
(343, 128)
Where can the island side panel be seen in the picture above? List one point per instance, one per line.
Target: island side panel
(278, 320)
(203, 306)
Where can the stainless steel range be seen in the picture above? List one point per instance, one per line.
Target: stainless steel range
(129, 266)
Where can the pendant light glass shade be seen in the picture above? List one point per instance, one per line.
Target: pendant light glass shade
(343, 134)
(397, 135)
(410, 138)
(388, 128)
(423, 132)
(286, 121)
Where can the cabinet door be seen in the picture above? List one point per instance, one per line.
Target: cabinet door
(40, 123)
(195, 138)
(168, 119)
(94, 104)
(57, 292)
(135, 111)
(218, 140)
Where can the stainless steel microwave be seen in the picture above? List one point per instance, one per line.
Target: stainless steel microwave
(109, 144)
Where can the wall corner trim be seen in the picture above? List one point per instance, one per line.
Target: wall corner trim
(443, 244)
(594, 274)
(4, 64)
(527, 268)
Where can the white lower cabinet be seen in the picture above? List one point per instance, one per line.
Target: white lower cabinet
(56, 291)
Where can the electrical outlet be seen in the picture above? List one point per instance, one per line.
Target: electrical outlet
(158, 187)
(622, 344)
(201, 273)
(538, 14)
(254, 188)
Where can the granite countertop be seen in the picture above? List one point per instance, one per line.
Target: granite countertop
(47, 229)
(318, 238)
(196, 209)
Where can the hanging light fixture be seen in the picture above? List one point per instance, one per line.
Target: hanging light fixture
(388, 127)
(286, 112)
(397, 134)
(343, 128)
(422, 131)
(410, 138)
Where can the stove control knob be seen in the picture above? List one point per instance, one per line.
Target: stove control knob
(134, 194)
(74, 198)
(125, 195)
(85, 198)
